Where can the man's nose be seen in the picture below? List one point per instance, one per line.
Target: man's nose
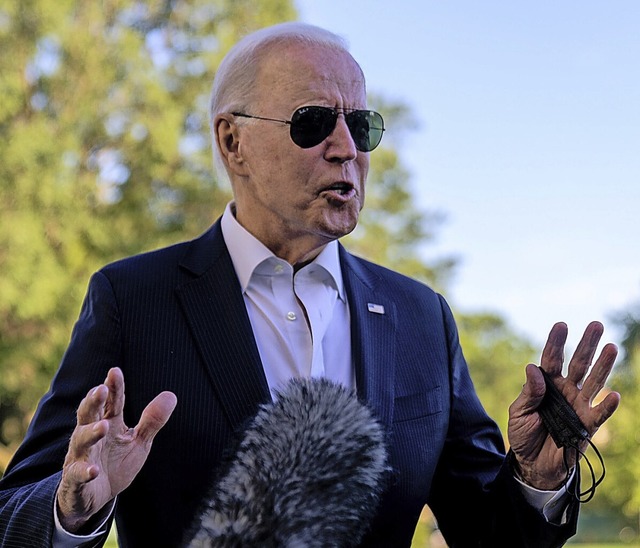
(340, 146)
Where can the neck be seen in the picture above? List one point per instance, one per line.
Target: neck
(297, 251)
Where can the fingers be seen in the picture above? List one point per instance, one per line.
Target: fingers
(553, 353)
(106, 401)
(93, 413)
(103, 401)
(91, 408)
(115, 384)
(534, 388)
(579, 366)
(531, 394)
(156, 415)
(91, 427)
(600, 372)
(80, 467)
(606, 408)
(583, 355)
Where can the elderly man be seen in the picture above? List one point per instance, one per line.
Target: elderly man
(203, 332)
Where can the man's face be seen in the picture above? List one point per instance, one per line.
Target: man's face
(293, 199)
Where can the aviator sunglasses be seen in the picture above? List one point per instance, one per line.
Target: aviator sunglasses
(312, 125)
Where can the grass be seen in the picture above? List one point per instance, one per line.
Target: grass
(419, 541)
(112, 541)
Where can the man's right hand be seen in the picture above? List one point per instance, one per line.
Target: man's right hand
(105, 455)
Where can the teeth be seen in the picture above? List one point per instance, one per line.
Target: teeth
(342, 188)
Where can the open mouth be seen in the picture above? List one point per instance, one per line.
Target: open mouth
(341, 188)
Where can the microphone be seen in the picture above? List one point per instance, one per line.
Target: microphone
(308, 472)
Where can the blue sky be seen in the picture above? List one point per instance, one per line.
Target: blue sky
(528, 141)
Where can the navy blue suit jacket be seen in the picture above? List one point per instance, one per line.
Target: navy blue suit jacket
(174, 319)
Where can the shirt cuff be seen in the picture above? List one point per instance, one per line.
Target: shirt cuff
(64, 539)
(552, 504)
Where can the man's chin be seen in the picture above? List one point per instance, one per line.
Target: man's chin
(335, 231)
(339, 222)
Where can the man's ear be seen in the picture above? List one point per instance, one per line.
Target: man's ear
(228, 143)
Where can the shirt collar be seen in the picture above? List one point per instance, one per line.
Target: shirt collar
(247, 252)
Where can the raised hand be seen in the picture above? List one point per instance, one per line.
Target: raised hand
(104, 454)
(539, 460)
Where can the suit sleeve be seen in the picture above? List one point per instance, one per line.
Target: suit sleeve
(474, 483)
(28, 488)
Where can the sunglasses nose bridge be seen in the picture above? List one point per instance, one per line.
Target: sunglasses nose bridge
(340, 134)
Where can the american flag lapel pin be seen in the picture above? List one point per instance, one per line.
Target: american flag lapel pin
(375, 308)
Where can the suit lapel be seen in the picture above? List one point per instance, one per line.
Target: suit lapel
(217, 316)
(373, 327)
(213, 305)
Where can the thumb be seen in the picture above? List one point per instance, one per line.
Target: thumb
(532, 392)
(156, 415)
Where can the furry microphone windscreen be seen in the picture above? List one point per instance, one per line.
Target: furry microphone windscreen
(308, 473)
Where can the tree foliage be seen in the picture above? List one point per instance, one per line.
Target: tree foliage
(619, 438)
(106, 152)
(497, 358)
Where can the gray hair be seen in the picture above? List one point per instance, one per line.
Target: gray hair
(233, 83)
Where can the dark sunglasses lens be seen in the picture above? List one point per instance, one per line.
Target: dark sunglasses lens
(312, 125)
(366, 127)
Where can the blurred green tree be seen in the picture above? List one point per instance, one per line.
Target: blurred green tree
(497, 357)
(619, 438)
(105, 152)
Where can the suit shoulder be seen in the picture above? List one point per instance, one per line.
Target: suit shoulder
(160, 262)
(394, 279)
(146, 262)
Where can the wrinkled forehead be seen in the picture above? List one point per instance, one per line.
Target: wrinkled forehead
(304, 72)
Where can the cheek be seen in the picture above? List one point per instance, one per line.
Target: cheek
(363, 164)
(363, 172)
(266, 148)
(266, 168)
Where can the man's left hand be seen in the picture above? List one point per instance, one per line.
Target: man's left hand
(540, 462)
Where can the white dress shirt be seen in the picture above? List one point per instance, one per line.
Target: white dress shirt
(300, 319)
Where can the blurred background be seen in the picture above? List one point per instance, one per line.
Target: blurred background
(508, 178)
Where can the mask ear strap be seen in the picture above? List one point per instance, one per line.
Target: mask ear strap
(587, 494)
